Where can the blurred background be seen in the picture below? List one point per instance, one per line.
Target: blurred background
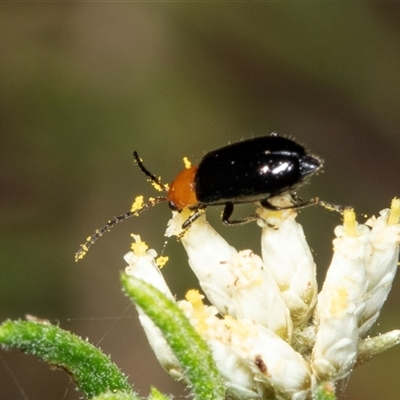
(82, 85)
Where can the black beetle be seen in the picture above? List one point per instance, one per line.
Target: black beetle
(252, 170)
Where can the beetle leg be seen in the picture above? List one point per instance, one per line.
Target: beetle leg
(227, 213)
(302, 204)
(198, 213)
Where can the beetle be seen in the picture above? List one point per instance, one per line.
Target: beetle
(249, 171)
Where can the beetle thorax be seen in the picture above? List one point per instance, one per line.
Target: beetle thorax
(182, 192)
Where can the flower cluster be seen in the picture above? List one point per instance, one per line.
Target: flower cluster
(271, 334)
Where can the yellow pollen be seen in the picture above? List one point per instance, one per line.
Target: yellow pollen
(138, 247)
(81, 254)
(234, 325)
(137, 204)
(266, 214)
(349, 222)
(394, 216)
(195, 299)
(161, 261)
(275, 214)
(159, 188)
(340, 302)
(187, 163)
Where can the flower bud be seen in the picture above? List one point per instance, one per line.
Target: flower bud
(142, 265)
(341, 302)
(238, 376)
(209, 258)
(287, 256)
(273, 361)
(381, 263)
(256, 295)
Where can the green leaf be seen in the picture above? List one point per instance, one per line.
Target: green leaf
(189, 348)
(92, 370)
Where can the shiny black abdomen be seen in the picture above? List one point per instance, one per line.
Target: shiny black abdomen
(252, 170)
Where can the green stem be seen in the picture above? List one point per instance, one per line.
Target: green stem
(189, 348)
(93, 372)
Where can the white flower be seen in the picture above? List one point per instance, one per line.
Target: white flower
(209, 257)
(381, 263)
(257, 302)
(287, 256)
(256, 295)
(341, 302)
(239, 377)
(273, 361)
(235, 283)
(142, 265)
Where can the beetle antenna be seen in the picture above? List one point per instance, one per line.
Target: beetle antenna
(152, 177)
(99, 232)
(333, 207)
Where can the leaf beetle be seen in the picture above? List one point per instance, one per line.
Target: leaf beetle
(252, 170)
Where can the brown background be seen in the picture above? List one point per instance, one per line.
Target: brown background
(83, 84)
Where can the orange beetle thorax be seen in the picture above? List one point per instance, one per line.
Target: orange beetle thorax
(182, 192)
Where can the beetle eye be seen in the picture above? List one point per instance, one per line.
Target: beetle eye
(172, 206)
